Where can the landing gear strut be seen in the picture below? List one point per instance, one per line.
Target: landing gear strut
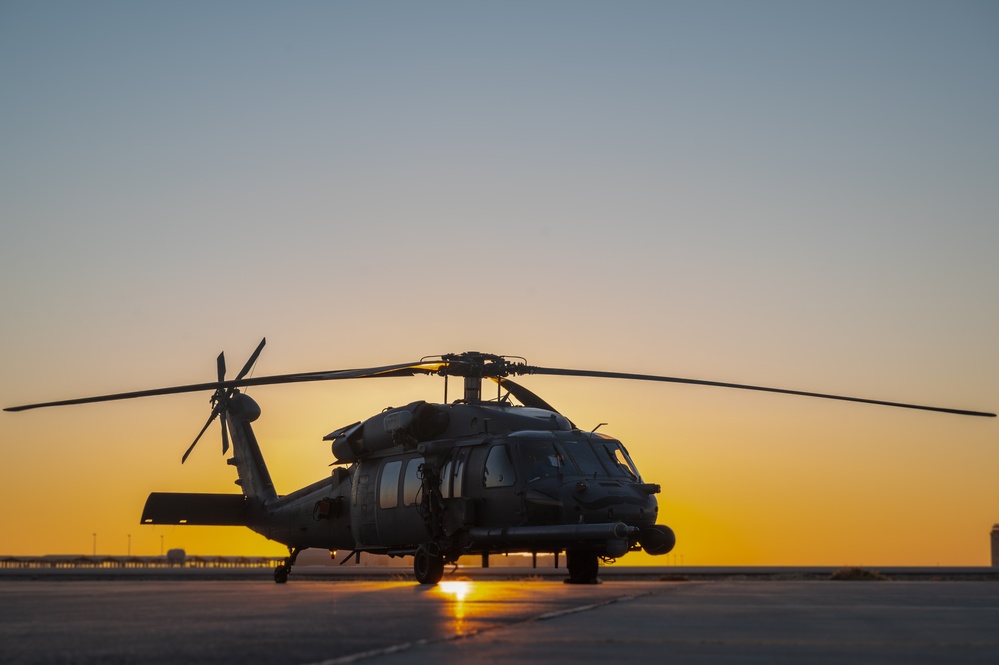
(282, 571)
(583, 567)
(428, 565)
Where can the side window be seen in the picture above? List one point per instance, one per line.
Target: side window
(388, 488)
(411, 482)
(446, 480)
(499, 469)
(453, 474)
(459, 472)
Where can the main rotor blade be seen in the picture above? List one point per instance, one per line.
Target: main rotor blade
(555, 371)
(523, 395)
(403, 369)
(253, 358)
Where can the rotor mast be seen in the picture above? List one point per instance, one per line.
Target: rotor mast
(473, 389)
(474, 366)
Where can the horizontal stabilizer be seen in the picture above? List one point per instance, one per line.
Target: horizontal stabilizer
(198, 509)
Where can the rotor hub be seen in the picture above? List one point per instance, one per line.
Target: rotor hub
(473, 366)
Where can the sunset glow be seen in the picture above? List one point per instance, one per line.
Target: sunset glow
(800, 195)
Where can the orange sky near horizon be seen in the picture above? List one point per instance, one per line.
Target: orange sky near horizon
(783, 194)
(746, 481)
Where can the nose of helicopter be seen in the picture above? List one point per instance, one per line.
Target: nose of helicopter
(632, 515)
(614, 502)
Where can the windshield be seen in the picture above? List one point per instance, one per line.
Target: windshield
(586, 458)
(616, 459)
(545, 458)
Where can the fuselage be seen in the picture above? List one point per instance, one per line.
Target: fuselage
(518, 467)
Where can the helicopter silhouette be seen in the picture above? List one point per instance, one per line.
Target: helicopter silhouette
(437, 481)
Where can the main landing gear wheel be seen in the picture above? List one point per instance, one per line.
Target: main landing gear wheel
(583, 567)
(428, 567)
(282, 571)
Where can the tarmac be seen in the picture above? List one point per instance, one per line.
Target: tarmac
(523, 618)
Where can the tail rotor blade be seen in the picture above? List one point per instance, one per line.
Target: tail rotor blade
(253, 359)
(215, 413)
(220, 364)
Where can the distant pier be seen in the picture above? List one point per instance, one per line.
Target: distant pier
(111, 562)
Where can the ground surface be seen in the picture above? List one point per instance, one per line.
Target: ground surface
(536, 620)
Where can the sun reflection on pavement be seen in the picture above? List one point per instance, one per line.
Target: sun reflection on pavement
(458, 591)
(461, 607)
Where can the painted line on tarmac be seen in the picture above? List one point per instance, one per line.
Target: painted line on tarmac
(386, 651)
(406, 646)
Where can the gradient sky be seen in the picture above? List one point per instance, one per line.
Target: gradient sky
(800, 195)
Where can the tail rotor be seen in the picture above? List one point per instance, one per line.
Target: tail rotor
(221, 398)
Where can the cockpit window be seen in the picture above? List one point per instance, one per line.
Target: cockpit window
(543, 459)
(615, 457)
(569, 467)
(586, 459)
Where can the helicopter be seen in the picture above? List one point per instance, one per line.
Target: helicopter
(437, 481)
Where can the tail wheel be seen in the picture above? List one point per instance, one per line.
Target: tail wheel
(583, 566)
(428, 566)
